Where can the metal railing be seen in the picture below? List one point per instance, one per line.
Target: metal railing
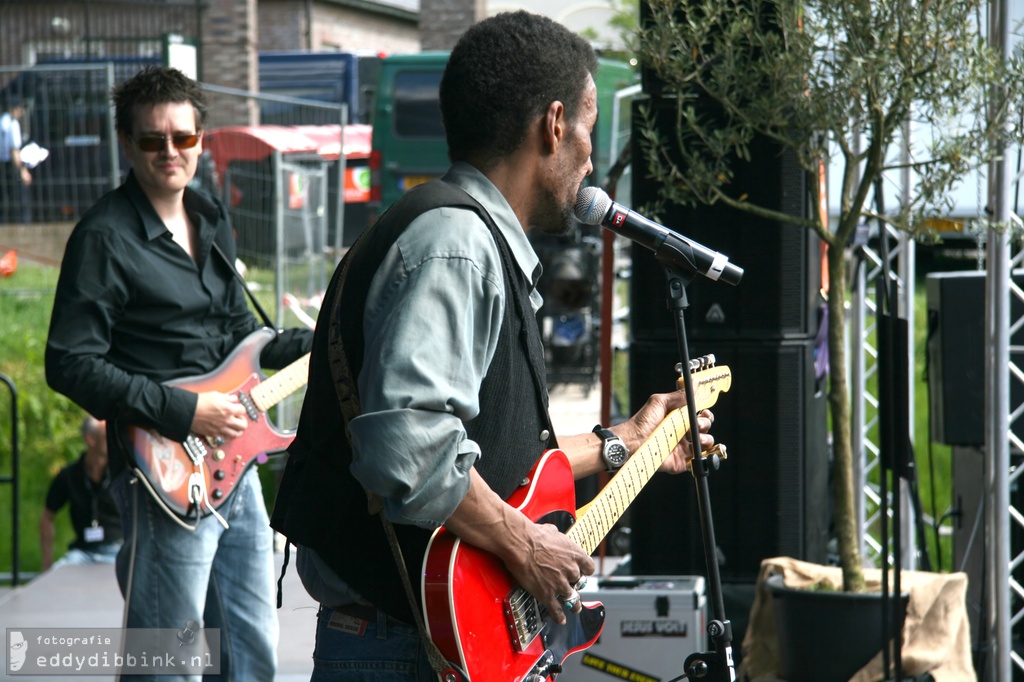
(13, 480)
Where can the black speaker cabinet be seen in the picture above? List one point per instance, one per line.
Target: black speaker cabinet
(956, 356)
(771, 496)
(779, 294)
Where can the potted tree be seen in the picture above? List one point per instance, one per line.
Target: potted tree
(835, 83)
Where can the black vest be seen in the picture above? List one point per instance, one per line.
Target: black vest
(319, 504)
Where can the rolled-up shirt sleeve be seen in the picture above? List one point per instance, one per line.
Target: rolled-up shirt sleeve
(430, 334)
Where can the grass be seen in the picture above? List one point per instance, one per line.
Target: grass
(933, 461)
(48, 423)
(47, 426)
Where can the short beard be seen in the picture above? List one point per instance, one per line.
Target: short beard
(554, 220)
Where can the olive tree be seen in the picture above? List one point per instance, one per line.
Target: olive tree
(833, 82)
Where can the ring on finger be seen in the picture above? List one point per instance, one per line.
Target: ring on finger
(570, 601)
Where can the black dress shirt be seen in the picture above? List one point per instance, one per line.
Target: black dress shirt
(133, 310)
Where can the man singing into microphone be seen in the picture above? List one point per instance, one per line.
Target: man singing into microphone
(427, 378)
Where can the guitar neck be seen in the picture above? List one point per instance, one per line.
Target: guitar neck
(278, 387)
(609, 505)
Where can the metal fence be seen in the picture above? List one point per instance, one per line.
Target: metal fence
(68, 114)
(46, 31)
(289, 192)
(60, 58)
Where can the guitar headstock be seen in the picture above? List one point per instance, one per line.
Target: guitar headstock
(708, 380)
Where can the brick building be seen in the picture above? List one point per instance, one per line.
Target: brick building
(388, 26)
(228, 34)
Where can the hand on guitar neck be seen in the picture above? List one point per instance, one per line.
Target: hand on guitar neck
(219, 416)
(636, 430)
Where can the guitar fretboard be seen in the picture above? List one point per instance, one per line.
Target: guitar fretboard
(608, 506)
(281, 385)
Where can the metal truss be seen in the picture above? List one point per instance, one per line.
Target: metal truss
(1004, 517)
(1012, 455)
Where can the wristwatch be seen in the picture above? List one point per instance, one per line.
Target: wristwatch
(614, 453)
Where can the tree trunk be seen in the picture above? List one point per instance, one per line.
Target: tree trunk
(842, 448)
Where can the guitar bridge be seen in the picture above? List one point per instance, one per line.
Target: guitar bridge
(195, 448)
(523, 618)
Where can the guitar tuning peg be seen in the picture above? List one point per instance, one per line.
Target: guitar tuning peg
(695, 365)
(719, 450)
(711, 359)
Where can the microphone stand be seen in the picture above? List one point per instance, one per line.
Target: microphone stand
(717, 664)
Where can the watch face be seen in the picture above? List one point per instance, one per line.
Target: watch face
(616, 454)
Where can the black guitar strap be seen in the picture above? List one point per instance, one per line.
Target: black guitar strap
(245, 287)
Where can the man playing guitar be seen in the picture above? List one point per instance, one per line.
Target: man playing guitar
(427, 386)
(147, 295)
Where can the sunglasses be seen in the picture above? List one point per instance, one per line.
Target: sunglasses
(158, 143)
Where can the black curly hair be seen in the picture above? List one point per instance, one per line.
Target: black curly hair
(155, 85)
(502, 75)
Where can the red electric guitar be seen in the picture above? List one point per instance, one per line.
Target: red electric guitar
(491, 629)
(194, 478)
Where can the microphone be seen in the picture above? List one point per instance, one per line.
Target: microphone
(595, 207)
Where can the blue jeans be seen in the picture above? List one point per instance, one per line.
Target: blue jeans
(350, 649)
(220, 578)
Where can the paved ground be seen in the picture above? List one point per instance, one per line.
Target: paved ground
(88, 597)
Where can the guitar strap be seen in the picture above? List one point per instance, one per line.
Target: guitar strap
(344, 385)
(245, 287)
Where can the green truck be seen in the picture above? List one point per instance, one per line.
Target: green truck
(409, 148)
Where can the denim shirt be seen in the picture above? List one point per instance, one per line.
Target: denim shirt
(417, 398)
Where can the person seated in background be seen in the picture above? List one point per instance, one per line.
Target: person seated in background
(85, 487)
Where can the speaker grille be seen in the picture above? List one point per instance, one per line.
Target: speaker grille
(778, 297)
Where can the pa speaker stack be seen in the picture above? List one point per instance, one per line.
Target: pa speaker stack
(771, 496)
